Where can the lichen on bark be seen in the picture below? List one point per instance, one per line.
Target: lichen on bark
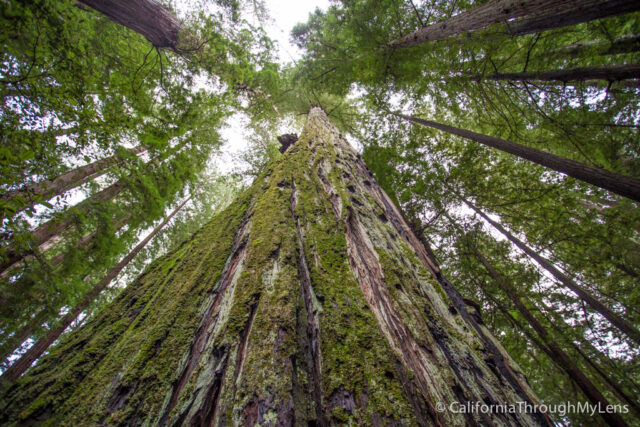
(308, 301)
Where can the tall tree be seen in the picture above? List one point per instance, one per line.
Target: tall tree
(256, 317)
(547, 14)
(617, 320)
(148, 17)
(550, 345)
(619, 184)
(610, 74)
(29, 195)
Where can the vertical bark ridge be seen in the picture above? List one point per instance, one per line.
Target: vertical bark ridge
(366, 267)
(129, 341)
(313, 323)
(229, 273)
(470, 374)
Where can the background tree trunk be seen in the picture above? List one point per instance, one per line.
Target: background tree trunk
(307, 301)
(47, 231)
(625, 44)
(618, 321)
(570, 13)
(44, 190)
(611, 181)
(147, 17)
(541, 15)
(612, 73)
(555, 352)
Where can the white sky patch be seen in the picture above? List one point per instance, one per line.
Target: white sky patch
(284, 15)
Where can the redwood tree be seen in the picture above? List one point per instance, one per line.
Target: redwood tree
(258, 318)
(614, 182)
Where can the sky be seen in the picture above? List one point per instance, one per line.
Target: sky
(284, 15)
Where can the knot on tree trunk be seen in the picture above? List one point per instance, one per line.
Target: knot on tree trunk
(286, 141)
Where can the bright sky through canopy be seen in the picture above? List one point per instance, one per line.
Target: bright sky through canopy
(284, 15)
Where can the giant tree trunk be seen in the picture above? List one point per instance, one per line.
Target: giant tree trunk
(540, 15)
(614, 182)
(147, 17)
(307, 301)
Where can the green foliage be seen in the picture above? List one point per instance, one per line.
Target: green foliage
(76, 88)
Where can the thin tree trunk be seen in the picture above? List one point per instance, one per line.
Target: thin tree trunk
(26, 360)
(146, 17)
(88, 239)
(611, 181)
(609, 381)
(616, 320)
(570, 13)
(44, 190)
(612, 73)
(626, 44)
(555, 13)
(48, 233)
(552, 350)
(305, 302)
(55, 226)
(558, 355)
(59, 259)
(16, 341)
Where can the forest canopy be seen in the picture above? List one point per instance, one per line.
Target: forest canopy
(506, 132)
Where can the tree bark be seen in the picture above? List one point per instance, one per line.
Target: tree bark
(611, 73)
(570, 13)
(611, 181)
(557, 354)
(306, 302)
(146, 17)
(626, 44)
(27, 359)
(547, 14)
(44, 190)
(616, 320)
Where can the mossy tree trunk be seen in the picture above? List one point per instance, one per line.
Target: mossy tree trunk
(307, 301)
